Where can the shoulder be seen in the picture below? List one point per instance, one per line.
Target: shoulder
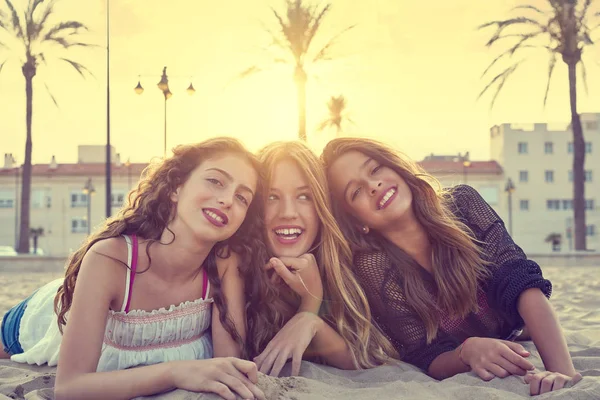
(227, 260)
(463, 194)
(103, 268)
(105, 260)
(114, 248)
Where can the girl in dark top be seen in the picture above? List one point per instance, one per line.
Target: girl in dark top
(444, 279)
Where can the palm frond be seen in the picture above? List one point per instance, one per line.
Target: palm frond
(324, 124)
(41, 22)
(584, 11)
(74, 25)
(529, 7)
(511, 52)
(551, 65)
(323, 54)
(51, 95)
(316, 24)
(501, 80)
(78, 67)
(15, 20)
(2, 65)
(33, 4)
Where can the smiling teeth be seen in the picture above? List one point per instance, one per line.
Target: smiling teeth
(287, 232)
(214, 216)
(387, 196)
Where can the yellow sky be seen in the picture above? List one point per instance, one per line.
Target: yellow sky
(410, 72)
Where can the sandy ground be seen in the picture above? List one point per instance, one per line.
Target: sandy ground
(576, 297)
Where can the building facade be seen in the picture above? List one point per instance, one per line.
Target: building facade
(59, 199)
(538, 158)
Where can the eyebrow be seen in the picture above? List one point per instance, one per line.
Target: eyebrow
(230, 179)
(298, 189)
(352, 180)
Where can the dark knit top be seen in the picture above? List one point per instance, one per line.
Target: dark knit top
(510, 274)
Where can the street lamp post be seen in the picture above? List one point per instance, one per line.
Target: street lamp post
(509, 189)
(17, 169)
(89, 190)
(108, 155)
(163, 85)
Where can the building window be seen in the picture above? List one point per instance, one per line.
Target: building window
(567, 204)
(548, 147)
(591, 125)
(588, 147)
(523, 148)
(590, 230)
(587, 175)
(549, 176)
(553, 204)
(524, 205)
(41, 198)
(589, 204)
(523, 176)
(117, 199)
(78, 199)
(79, 225)
(7, 198)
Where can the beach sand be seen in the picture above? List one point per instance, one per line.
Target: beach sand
(576, 297)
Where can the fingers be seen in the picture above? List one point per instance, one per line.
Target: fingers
(236, 385)
(248, 368)
(221, 390)
(535, 381)
(247, 379)
(296, 362)
(576, 378)
(483, 374)
(267, 362)
(280, 268)
(279, 363)
(517, 348)
(517, 359)
(497, 370)
(510, 367)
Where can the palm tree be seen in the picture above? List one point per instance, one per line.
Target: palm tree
(297, 29)
(563, 31)
(34, 36)
(337, 114)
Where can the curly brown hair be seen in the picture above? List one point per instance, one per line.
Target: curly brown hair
(149, 210)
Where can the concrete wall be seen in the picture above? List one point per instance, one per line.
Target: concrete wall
(27, 264)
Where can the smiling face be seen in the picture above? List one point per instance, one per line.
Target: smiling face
(214, 200)
(374, 194)
(291, 218)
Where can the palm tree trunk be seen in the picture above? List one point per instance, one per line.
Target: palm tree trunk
(578, 164)
(300, 79)
(23, 247)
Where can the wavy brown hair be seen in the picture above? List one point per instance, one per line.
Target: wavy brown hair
(457, 261)
(149, 210)
(345, 307)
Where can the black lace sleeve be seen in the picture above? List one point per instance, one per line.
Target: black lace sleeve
(382, 283)
(512, 272)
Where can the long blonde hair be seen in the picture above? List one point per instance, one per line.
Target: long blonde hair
(458, 264)
(149, 210)
(345, 305)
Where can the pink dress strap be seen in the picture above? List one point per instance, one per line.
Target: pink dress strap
(204, 283)
(132, 269)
